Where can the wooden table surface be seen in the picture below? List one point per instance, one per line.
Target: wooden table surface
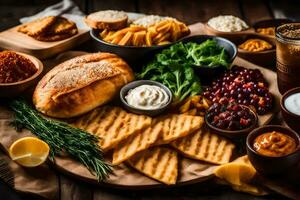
(190, 11)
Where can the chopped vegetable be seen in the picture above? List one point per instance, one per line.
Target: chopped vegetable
(174, 67)
(62, 138)
(179, 78)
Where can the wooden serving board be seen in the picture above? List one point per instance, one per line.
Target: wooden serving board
(190, 171)
(11, 39)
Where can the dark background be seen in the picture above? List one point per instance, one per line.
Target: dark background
(189, 11)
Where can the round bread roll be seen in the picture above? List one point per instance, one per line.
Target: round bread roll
(81, 84)
(107, 19)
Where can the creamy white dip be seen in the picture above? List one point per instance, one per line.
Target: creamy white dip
(292, 103)
(227, 23)
(147, 97)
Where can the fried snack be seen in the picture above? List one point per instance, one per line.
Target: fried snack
(37, 27)
(205, 146)
(56, 37)
(112, 125)
(137, 143)
(62, 26)
(49, 29)
(195, 105)
(177, 126)
(162, 32)
(159, 163)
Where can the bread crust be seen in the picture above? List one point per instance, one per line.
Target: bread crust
(106, 25)
(81, 84)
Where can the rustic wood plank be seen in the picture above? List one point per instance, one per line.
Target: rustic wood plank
(255, 10)
(125, 5)
(191, 11)
(73, 190)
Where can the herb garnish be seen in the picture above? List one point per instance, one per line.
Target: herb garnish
(175, 66)
(61, 137)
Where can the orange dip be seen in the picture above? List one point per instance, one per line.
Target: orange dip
(255, 45)
(274, 144)
(266, 31)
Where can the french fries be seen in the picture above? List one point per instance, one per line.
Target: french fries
(195, 105)
(162, 33)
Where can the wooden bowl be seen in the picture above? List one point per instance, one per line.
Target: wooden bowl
(263, 58)
(291, 119)
(238, 134)
(16, 88)
(267, 165)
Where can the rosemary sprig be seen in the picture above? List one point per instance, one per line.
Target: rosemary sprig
(61, 137)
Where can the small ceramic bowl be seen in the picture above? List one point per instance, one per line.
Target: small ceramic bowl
(152, 112)
(206, 73)
(16, 88)
(238, 134)
(291, 119)
(267, 165)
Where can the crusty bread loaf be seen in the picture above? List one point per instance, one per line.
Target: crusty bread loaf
(81, 84)
(107, 19)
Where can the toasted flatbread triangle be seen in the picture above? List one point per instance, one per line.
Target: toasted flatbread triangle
(61, 25)
(112, 125)
(137, 143)
(177, 126)
(159, 163)
(37, 27)
(206, 146)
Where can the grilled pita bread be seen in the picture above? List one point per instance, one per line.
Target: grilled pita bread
(137, 143)
(159, 163)
(205, 146)
(112, 125)
(177, 126)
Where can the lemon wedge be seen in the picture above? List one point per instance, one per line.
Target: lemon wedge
(29, 151)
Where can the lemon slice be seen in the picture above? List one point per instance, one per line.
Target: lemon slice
(29, 151)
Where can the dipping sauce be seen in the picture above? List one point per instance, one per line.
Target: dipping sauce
(292, 103)
(274, 144)
(227, 23)
(147, 97)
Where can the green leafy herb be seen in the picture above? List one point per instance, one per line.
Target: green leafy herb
(174, 67)
(61, 137)
(179, 78)
(208, 53)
